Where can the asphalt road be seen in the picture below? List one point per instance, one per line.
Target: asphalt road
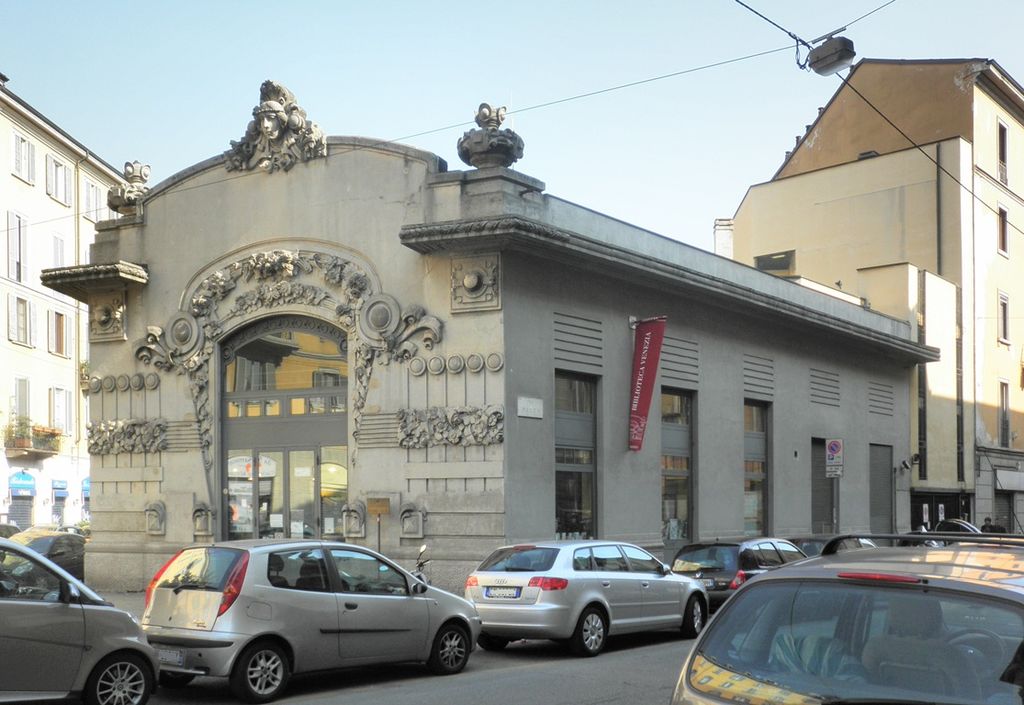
(633, 670)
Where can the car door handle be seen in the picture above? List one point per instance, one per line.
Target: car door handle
(645, 584)
(351, 605)
(606, 583)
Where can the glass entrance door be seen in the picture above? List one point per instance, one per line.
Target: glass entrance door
(293, 493)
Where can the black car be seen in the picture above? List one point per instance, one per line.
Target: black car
(725, 565)
(8, 530)
(64, 549)
(813, 543)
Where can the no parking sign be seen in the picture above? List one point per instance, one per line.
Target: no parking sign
(834, 451)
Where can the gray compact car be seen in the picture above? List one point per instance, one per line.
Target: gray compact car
(906, 624)
(580, 591)
(60, 639)
(258, 611)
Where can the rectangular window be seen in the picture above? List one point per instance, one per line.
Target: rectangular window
(58, 251)
(58, 180)
(755, 468)
(60, 410)
(1004, 414)
(1003, 151)
(1003, 321)
(58, 333)
(17, 246)
(20, 318)
(21, 396)
(676, 411)
(1004, 231)
(95, 202)
(575, 461)
(24, 159)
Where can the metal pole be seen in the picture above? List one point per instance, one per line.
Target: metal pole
(378, 533)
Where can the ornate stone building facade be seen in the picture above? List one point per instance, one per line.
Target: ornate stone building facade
(341, 338)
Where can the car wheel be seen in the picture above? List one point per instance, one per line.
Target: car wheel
(694, 616)
(450, 651)
(591, 632)
(491, 643)
(119, 679)
(261, 673)
(169, 679)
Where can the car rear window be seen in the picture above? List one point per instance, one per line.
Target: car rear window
(789, 640)
(39, 544)
(207, 567)
(520, 558)
(717, 557)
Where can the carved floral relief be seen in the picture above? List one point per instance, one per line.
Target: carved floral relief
(454, 426)
(127, 436)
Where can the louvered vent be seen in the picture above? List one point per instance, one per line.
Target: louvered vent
(824, 387)
(578, 342)
(182, 436)
(758, 377)
(378, 431)
(881, 398)
(680, 361)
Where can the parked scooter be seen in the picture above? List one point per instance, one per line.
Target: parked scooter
(421, 563)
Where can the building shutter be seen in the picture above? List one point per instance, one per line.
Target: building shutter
(49, 175)
(12, 317)
(880, 489)
(16, 150)
(13, 236)
(31, 324)
(58, 251)
(1003, 511)
(69, 195)
(31, 162)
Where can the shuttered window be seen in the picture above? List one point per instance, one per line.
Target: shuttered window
(23, 155)
(21, 320)
(17, 246)
(58, 180)
(60, 409)
(58, 339)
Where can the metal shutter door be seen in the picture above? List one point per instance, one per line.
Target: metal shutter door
(881, 489)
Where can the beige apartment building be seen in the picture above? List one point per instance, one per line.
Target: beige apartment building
(52, 194)
(930, 232)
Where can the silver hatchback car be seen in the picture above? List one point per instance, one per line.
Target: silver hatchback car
(580, 592)
(58, 638)
(258, 611)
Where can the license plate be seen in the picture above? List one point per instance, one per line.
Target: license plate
(172, 657)
(709, 582)
(502, 592)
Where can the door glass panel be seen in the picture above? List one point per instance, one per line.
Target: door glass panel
(271, 465)
(333, 489)
(240, 494)
(301, 485)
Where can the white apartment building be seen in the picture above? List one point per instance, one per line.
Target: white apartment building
(52, 191)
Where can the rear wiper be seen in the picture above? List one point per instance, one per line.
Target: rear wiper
(192, 586)
(519, 570)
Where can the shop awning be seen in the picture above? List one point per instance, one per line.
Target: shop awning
(22, 484)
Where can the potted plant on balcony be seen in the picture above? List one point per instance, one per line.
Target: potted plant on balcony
(46, 438)
(18, 432)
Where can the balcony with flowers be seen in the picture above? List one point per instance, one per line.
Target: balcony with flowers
(27, 440)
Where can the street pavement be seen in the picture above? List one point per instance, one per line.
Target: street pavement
(132, 602)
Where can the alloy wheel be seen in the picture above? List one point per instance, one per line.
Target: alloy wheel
(121, 683)
(265, 672)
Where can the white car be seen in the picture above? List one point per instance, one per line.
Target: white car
(580, 592)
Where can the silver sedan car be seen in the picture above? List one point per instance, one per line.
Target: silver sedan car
(258, 611)
(580, 592)
(58, 638)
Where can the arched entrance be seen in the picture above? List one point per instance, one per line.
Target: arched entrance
(284, 412)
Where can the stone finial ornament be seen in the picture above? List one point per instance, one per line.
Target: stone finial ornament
(489, 146)
(278, 135)
(126, 199)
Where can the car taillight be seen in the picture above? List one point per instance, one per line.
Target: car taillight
(545, 583)
(156, 578)
(471, 581)
(234, 585)
(740, 578)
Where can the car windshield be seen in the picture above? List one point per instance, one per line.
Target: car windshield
(520, 558)
(205, 568)
(715, 557)
(39, 544)
(791, 641)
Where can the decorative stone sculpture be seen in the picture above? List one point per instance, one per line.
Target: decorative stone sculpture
(451, 426)
(127, 436)
(156, 518)
(411, 519)
(489, 146)
(202, 521)
(354, 519)
(127, 199)
(278, 136)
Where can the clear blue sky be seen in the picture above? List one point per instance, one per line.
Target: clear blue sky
(171, 83)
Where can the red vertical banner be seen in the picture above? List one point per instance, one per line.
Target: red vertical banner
(650, 333)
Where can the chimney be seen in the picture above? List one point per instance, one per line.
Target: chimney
(723, 237)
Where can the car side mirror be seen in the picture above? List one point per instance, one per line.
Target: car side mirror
(665, 570)
(419, 588)
(69, 593)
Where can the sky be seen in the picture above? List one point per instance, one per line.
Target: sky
(172, 83)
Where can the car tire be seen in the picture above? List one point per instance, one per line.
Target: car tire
(591, 633)
(450, 652)
(170, 679)
(492, 643)
(695, 616)
(261, 673)
(121, 678)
